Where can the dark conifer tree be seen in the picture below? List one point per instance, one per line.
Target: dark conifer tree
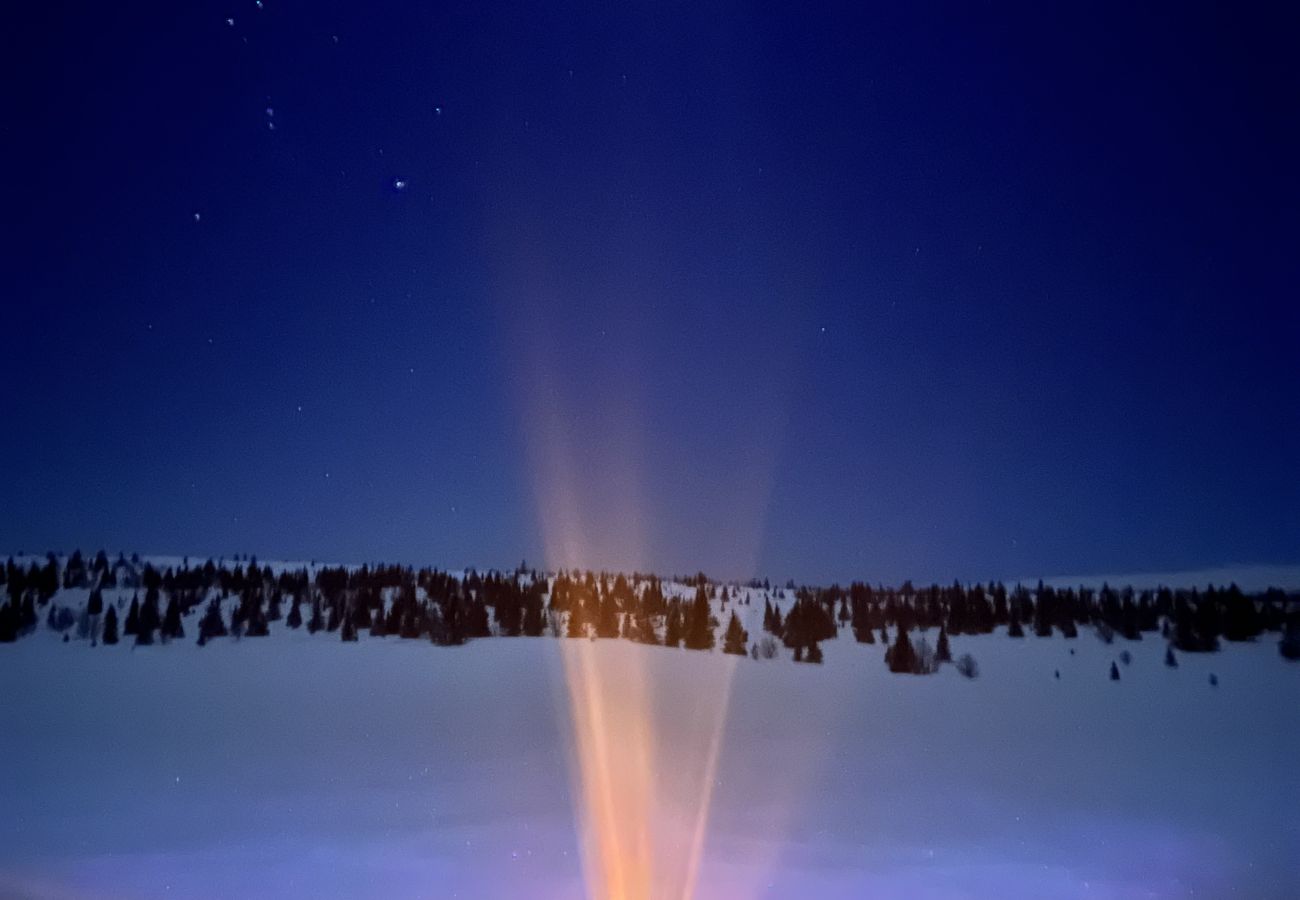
(1241, 618)
(1170, 660)
(360, 613)
(607, 617)
(413, 624)
(1114, 672)
(453, 623)
(26, 615)
(171, 625)
(644, 629)
(348, 630)
(814, 653)
(255, 624)
(534, 615)
(902, 656)
(477, 624)
(294, 619)
(132, 625)
(736, 637)
(673, 625)
(317, 620)
(698, 633)
(942, 652)
(1289, 646)
(577, 617)
(8, 622)
(212, 624)
(110, 626)
(1014, 628)
(149, 618)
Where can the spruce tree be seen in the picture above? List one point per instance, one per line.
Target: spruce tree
(673, 626)
(1014, 628)
(1114, 672)
(8, 623)
(1170, 660)
(577, 618)
(698, 628)
(110, 626)
(294, 619)
(171, 626)
(477, 625)
(534, 616)
(902, 656)
(360, 613)
(317, 620)
(607, 617)
(736, 637)
(149, 619)
(777, 628)
(212, 624)
(132, 624)
(942, 653)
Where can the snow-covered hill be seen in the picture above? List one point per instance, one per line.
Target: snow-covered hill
(303, 766)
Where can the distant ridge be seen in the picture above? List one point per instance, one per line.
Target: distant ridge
(1246, 577)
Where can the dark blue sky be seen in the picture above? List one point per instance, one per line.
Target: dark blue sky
(908, 291)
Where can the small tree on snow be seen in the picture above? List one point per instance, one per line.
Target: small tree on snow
(901, 656)
(942, 653)
(735, 638)
(110, 626)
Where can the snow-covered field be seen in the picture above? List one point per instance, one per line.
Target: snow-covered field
(300, 766)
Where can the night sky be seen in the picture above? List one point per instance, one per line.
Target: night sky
(898, 292)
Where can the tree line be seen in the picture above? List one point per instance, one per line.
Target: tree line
(244, 599)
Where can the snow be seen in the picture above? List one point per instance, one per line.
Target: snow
(300, 766)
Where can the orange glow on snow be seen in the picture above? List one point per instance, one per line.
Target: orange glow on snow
(644, 761)
(643, 806)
